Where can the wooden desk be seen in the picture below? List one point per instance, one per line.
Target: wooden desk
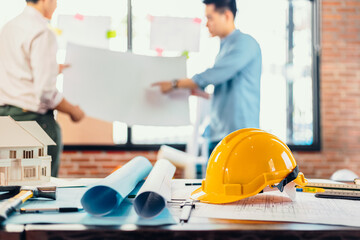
(12, 232)
(197, 228)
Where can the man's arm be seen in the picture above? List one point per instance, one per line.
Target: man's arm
(45, 70)
(167, 86)
(74, 112)
(229, 65)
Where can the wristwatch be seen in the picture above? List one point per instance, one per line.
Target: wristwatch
(174, 83)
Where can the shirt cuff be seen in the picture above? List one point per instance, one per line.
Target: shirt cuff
(51, 103)
(200, 81)
(56, 100)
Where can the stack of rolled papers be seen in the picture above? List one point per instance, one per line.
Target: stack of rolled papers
(106, 196)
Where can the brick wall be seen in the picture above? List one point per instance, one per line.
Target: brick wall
(340, 105)
(340, 91)
(99, 163)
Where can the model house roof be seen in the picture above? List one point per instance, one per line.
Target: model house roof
(13, 134)
(35, 130)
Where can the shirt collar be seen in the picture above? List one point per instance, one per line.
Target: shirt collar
(228, 37)
(34, 12)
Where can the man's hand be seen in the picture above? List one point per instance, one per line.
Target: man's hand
(77, 114)
(199, 93)
(165, 86)
(62, 67)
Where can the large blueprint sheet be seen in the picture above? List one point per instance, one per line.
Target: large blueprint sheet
(276, 206)
(116, 86)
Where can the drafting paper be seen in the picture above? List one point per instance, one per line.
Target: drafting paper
(156, 191)
(107, 195)
(88, 31)
(70, 197)
(175, 34)
(179, 159)
(276, 206)
(116, 86)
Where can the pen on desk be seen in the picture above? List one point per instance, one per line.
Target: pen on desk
(41, 210)
(192, 184)
(187, 207)
(310, 189)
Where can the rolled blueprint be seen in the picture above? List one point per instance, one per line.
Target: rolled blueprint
(156, 191)
(179, 159)
(107, 195)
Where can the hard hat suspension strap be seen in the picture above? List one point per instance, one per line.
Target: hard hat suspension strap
(292, 176)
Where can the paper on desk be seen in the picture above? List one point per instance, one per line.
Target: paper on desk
(276, 206)
(156, 191)
(70, 197)
(70, 182)
(179, 159)
(118, 86)
(107, 195)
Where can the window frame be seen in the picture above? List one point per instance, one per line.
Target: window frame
(316, 60)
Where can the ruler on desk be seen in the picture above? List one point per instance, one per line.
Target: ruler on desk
(351, 187)
(335, 194)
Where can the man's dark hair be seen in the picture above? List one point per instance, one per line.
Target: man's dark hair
(33, 1)
(222, 5)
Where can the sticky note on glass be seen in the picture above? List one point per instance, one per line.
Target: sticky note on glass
(186, 54)
(79, 17)
(111, 34)
(91, 31)
(175, 34)
(57, 31)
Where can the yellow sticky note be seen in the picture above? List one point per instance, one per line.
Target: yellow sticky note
(111, 34)
(57, 31)
(186, 54)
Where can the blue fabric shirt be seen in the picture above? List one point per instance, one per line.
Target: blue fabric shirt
(236, 77)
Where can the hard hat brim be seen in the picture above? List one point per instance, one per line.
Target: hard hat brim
(204, 197)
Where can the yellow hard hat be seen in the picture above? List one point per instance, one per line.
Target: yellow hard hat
(244, 163)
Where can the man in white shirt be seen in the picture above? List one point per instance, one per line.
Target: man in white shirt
(28, 72)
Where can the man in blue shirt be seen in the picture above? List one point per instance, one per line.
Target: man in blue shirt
(235, 75)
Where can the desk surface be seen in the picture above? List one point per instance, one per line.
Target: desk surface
(197, 228)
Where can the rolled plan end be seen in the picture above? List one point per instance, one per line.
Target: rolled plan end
(156, 191)
(149, 204)
(107, 195)
(101, 200)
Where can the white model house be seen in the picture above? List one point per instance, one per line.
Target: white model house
(23, 153)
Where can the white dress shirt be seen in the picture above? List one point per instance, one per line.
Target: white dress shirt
(28, 67)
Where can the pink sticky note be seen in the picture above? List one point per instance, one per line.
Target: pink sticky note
(79, 17)
(150, 18)
(159, 51)
(197, 20)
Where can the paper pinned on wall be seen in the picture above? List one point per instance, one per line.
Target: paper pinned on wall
(91, 31)
(115, 86)
(106, 196)
(156, 191)
(175, 34)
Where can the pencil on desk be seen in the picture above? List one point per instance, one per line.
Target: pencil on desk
(192, 184)
(42, 210)
(309, 189)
